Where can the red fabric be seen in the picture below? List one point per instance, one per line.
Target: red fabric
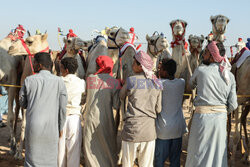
(239, 39)
(20, 31)
(132, 30)
(105, 64)
(71, 34)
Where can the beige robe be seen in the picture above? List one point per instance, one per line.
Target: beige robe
(99, 134)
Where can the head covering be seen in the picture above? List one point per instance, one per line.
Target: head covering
(70, 30)
(147, 64)
(106, 65)
(239, 39)
(132, 29)
(225, 66)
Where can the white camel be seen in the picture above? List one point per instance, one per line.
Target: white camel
(35, 44)
(9, 72)
(219, 24)
(117, 37)
(157, 44)
(179, 46)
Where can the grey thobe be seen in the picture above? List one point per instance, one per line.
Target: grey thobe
(207, 139)
(45, 97)
(99, 134)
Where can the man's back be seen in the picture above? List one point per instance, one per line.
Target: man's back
(144, 101)
(170, 122)
(45, 97)
(212, 88)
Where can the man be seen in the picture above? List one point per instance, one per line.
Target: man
(45, 97)
(216, 95)
(20, 31)
(99, 134)
(144, 102)
(71, 140)
(170, 123)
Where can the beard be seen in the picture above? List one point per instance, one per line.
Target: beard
(206, 62)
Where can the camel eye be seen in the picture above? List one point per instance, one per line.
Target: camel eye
(151, 41)
(29, 42)
(69, 41)
(112, 33)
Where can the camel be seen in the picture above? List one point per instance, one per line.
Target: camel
(9, 74)
(72, 51)
(34, 44)
(242, 78)
(219, 24)
(195, 48)
(117, 37)
(156, 45)
(179, 46)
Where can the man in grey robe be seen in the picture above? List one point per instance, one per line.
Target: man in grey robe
(45, 97)
(216, 95)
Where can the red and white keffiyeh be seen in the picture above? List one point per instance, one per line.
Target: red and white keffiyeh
(225, 65)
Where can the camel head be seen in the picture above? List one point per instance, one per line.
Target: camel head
(75, 43)
(117, 37)
(178, 27)
(156, 43)
(35, 44)
(219, 23)
(195, 42)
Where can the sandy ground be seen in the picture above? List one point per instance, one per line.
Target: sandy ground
(6, 160)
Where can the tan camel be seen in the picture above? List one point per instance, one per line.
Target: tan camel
(35, 44)
(195, 48)
(242, 77)
(156, 45)
(117, 37)
(219, 24)
(179, 46)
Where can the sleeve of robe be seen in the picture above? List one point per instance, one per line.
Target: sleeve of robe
(116, 93)
(193, 79)
(23, 95)
(62, 106)
(158, 103)
(232, 98)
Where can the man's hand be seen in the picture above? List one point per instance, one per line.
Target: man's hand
(60, 134)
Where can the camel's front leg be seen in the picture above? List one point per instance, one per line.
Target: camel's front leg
(10, 120)
(19, 151)
(244, 114)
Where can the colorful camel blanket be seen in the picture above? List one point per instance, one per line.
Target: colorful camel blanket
(242, 58)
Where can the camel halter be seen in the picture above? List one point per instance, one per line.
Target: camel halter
(179, 38)
(113, 39)
(31, 55)
(154, 45)
(12, 37)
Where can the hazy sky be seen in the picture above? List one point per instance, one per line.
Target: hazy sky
(146, 16)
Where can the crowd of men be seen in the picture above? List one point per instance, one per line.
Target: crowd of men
(153, 121)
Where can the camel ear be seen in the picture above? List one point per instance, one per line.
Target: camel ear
(227, 20)
(212, 18)
(185, 24)
(202, 39)
(64, 40)
(190, 36)
(171, 24)
(147, 37)
(44, 37)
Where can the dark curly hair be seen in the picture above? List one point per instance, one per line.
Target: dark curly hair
(169, 65)
(44, 59)
(70, 63)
